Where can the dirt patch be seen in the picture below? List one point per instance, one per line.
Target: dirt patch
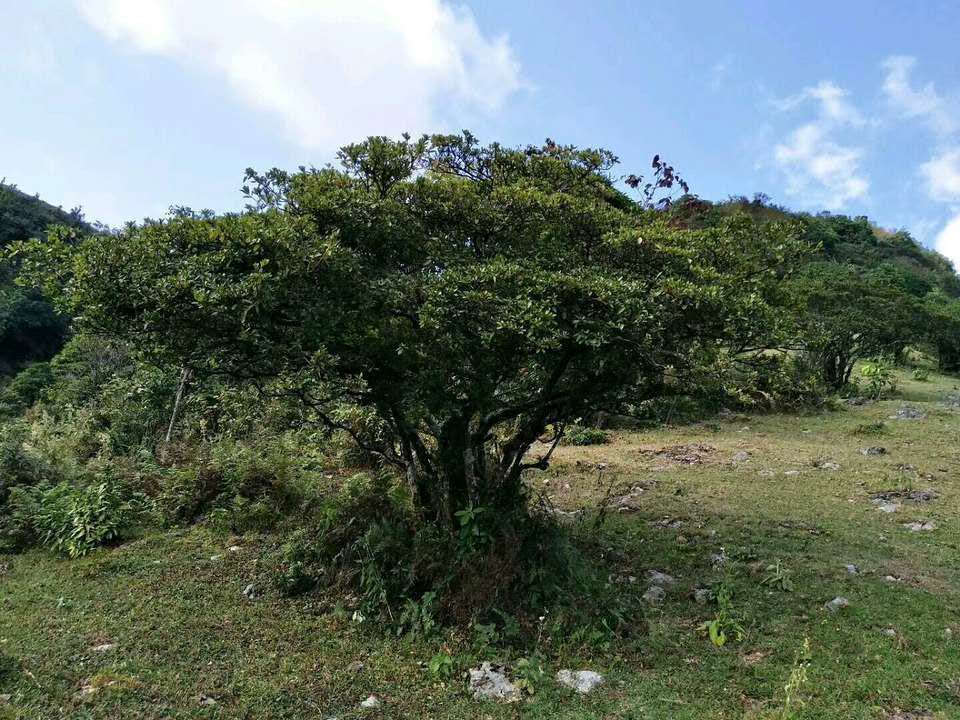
(690, 454)
(915, 496)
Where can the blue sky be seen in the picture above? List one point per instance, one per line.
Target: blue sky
(129, 106)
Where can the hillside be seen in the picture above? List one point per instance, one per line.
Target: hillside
(29, 328)
(842, 239)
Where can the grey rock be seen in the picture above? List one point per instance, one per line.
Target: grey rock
(5, 698)
(925, 526)
(886, 507)
(766, 472)
(875, 450)
(852, 569)
(371, 703)
(659, 578)
(889, 632)
(909, 412)
(234, 548)
(105, 647)
(838, 603)
(654, 595)
(206, 700)
(250, 592)
(791, 473)
(489, 682)
(583, 681)
(355, 667)
(702, 596)
(742, 456)
(828, 465)
(891, 579)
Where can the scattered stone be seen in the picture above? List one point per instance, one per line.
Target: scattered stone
(702, 596)
(631, 501)
(658, 578)
(214, 558)
(250, 592)
(756, 657)
(889, 632)
(826, 465)
(5, 698)
(852, 569)
(355, 667)
(857, 401)
(948, 633)
(742, 457)
(669, 523)
(886, 507)
(105, 647)
(206, 700)
(234, 548)
(488, 682)
(583, 681)
(925, 526)
(371, 703)
(718, 560)
(838, 603)
(791, 473)
(766, 472)
(891, 579)
(875, 450)
(910, 715)
(654, 595)
(909, 412)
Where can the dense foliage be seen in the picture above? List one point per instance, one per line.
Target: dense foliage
(444, 303)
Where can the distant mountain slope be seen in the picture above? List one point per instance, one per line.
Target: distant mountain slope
(24, 216)
(30, 330)
(852, 240)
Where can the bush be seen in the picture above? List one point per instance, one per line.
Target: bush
(577, 435)
(25, 388)
(74, 520)
(501, 571)
(921, 374)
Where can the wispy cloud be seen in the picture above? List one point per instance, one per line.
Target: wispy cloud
(819, 169)
(832, 100)
(332, 71)
(914, 101)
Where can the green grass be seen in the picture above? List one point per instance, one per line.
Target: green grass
(183, 629)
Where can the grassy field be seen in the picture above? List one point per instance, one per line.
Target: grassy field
(160, 628)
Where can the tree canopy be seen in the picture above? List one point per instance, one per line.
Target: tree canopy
(447, 304)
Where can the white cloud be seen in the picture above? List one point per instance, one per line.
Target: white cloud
(332, 70)
(915, 102)
(942, 175)
(819, 170)
(948, 241)
(834, 106)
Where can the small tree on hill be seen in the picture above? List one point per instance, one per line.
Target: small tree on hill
(447, 304)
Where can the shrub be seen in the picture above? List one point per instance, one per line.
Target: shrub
(921, 374)
(25, 388)
(577, 435)
(500, 571)
(880, 377)
(74, 520)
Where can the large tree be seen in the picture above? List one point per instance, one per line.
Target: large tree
(447, 304)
